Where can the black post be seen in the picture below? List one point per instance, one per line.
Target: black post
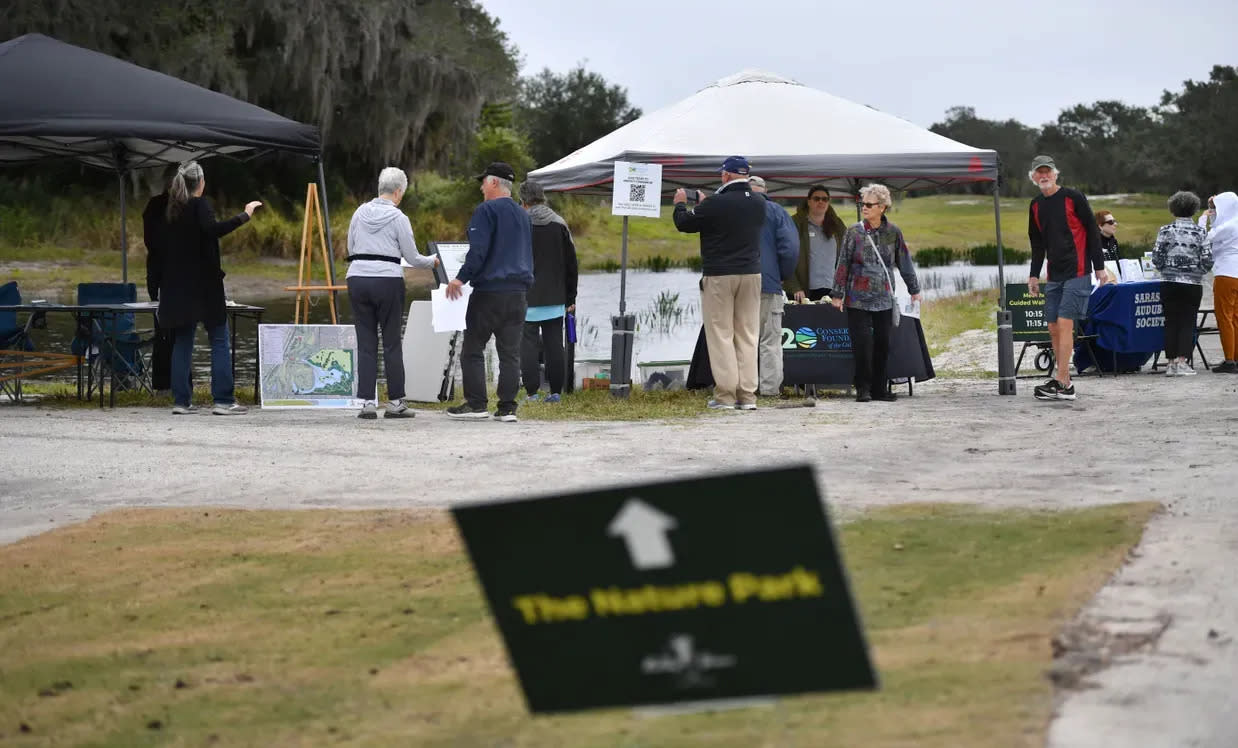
(326, 224)
(623, 329)
(1006, 384)
(124, 238)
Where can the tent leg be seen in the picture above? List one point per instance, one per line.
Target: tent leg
(124, 239)
(326, 220)
(1006, 383)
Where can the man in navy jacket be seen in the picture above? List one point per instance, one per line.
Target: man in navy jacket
(780, 251)
(499, 266)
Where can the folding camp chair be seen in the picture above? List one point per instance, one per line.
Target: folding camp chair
(18, 358)
(112, 345)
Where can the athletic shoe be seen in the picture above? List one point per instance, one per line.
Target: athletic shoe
(887, 397)
(369, 412)
(1053, 390)
(1171, 369)
(746, 406)
(1225, 367)
(863, 396)
(533, 398)
(396, 409)
(1186, 370)
(715, 405)
(465, 411)
(505, 416)
(229, 409)
(184, 410)
(553, 397)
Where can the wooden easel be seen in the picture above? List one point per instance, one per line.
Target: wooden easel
(305, 285)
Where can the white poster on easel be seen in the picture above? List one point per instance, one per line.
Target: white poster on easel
(638, 190)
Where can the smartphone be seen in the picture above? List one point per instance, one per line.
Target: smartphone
(692, 195)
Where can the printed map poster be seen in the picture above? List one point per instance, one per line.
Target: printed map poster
(638, 190)
(308, 366)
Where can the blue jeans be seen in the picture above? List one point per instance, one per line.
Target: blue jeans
(222, 390)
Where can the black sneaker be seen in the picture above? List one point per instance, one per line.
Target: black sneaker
(1053, 390)
(1225, 367)
(863, 396)
(467, 412)
(886, 397)
(505, 416)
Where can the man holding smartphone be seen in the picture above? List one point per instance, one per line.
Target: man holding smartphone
(729, 223)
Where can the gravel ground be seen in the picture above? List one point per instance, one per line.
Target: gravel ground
(1131, 438)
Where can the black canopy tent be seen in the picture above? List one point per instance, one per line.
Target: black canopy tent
(67, 102)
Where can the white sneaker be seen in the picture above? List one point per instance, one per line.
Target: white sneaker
(1171, 369)
(1186, 370)
(184, 410)
(229, 409)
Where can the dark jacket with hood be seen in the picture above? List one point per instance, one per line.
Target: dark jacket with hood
(555, 270)
(191, 286)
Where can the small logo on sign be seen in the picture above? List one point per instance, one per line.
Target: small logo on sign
(806, 337)
(689, 666)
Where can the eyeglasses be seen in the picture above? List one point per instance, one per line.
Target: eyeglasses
(870, 205)
(820, 199)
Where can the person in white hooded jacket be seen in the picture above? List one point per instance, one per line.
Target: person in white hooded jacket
(378, 236)
(1224, 240)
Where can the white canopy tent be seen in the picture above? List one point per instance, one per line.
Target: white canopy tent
(792, 135)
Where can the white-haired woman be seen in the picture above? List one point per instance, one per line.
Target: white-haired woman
(871, 252)
(191, 288)
(379, 234)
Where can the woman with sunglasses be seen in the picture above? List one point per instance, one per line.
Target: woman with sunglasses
(821, 233)
(870, 253)
(1108, 239)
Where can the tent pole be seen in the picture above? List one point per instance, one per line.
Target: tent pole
(326, 222)
(1006, 384)
(124, 239)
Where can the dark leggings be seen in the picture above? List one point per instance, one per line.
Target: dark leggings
(1181, 304)
(542, 337)
(870, 344)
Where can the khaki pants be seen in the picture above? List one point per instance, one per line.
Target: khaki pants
(769, 358)
(731, 308)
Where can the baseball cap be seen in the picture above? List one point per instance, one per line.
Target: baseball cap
(735, 165)
(1042, 160)
(498, 169)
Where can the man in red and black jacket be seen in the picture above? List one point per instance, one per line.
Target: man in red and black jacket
(1062, 229)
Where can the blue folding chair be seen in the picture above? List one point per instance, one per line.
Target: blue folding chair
(111, 342)
(18, 358)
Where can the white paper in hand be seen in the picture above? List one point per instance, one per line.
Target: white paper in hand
(449, 313)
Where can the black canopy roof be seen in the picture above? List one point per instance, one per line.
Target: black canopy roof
(62, 101)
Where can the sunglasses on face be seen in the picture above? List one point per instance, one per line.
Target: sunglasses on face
(870, 205)
(1111, 223)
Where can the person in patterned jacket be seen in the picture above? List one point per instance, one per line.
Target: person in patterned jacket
(1183, 255)
(871, 251)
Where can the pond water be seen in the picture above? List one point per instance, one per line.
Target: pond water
(666, 305)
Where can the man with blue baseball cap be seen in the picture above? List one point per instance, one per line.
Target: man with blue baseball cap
(729, 222)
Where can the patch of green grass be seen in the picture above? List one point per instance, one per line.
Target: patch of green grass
(193, 626)
(943, 319)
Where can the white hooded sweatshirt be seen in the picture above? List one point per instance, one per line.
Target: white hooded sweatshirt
(1224, 235)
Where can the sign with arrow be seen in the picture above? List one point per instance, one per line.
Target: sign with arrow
(683, 591)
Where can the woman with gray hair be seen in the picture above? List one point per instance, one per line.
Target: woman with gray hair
(864, 283)
(191, 288)
(1183, 256)
(552, 296)
(378, 236)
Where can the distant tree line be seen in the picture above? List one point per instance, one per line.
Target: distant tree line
(1187, 141)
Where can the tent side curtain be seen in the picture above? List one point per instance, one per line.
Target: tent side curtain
(787, 175)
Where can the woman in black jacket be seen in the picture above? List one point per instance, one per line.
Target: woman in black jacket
(191, 288)
(553, 294)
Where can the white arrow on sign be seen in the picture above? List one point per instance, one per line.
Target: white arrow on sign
(644, 530)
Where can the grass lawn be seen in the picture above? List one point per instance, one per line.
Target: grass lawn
(228, 627)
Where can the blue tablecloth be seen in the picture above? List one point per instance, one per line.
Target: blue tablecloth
(1129, 324)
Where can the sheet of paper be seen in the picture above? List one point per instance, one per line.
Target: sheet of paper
(1131, 270)
(142, 304)
(448, 313)
(1112, 267)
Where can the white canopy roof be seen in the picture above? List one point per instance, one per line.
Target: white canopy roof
(792, 135)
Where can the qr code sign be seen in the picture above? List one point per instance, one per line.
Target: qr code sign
(637, 193)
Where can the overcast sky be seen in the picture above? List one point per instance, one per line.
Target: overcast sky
(912, 58)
